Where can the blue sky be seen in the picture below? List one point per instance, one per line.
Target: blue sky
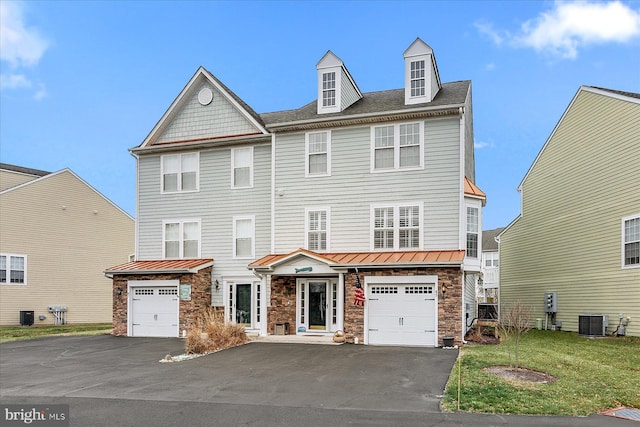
(82, 82)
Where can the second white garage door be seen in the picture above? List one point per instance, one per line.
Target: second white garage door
(154, 311)
(402, 314)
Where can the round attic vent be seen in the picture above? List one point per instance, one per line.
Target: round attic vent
(205, 96)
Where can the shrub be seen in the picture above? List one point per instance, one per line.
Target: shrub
(211, 333)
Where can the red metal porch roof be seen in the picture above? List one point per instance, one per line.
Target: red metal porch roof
(367, 258)
(161, 266)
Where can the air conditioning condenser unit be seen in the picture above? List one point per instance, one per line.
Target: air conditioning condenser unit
(594, 325)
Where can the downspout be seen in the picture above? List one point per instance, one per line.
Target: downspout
(136, 228)
(462, 219)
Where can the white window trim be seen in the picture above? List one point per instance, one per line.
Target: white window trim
(427, 79)
(197, 189)
(181, 222)
(332, 108)
(424, 78)
(253, 235)
(306, 226)
(396, 148)
(233, 150)
(8, 271)
(478, 233)
(396, 226)
(307, 174)
(625, 219)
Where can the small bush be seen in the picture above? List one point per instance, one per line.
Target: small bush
(211, 334)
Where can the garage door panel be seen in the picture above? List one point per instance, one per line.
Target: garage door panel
(403, 314)
(154, 312)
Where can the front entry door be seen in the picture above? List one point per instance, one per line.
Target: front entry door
(317, 304)
(243, 304)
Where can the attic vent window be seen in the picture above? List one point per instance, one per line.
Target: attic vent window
(417, 78)
(329, 89)
(205, 96)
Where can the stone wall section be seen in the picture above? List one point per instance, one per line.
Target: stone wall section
(282, 307)
(189, 310)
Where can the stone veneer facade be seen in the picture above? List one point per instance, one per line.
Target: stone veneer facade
(282, 307)
(189, 310)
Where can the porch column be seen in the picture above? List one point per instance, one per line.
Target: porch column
(265, 284)
(340, 320)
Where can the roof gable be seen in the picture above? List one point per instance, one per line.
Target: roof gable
(610, 93)
(44, 179)
(205, 110)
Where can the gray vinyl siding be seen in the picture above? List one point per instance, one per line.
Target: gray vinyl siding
(569, 237)
(215, 205)
(349, 93)
(219, 118)
(470, 305)
(352, 188)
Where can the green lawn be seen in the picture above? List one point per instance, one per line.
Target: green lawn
(17, 333)
(593, 374)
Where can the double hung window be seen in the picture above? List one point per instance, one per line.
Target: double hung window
(242, 167)
(181, 239)
(317, 229)
(180, 172)
(631, 241)
(329, 89)
(399, 146)
(243, 237)
(397, 227)
(472, 232)
(318, 154)
(13, 269)
(417, 78)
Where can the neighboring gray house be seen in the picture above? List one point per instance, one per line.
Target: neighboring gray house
(356, 212)
(488, 288)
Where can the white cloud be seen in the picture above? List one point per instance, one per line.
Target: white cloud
(14, 81)
(41, 93)
(479, 145)
(20, 45)
(570, 26)
(490, 66)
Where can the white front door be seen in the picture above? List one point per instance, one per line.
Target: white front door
(402, 314)
(154, 311)
(317, 304)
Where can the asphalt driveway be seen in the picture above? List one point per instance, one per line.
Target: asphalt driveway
(293, 375)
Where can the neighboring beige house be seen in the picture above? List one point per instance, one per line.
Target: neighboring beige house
(57, 234)
(579, 231)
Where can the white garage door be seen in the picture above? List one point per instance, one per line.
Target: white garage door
(154, 312)
(402, 314)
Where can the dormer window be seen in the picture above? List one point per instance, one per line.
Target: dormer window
(336, 88)
(329, 89)
(417, 78)
(421, 78)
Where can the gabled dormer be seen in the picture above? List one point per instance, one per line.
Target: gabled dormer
(336, 88)
(421, 77)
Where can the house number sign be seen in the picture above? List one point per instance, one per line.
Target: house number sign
(185, 292)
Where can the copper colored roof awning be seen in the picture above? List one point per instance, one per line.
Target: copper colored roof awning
(161, 266)
(470, 189)
(369, 259)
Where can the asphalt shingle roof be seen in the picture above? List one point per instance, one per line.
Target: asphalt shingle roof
(451, 94)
